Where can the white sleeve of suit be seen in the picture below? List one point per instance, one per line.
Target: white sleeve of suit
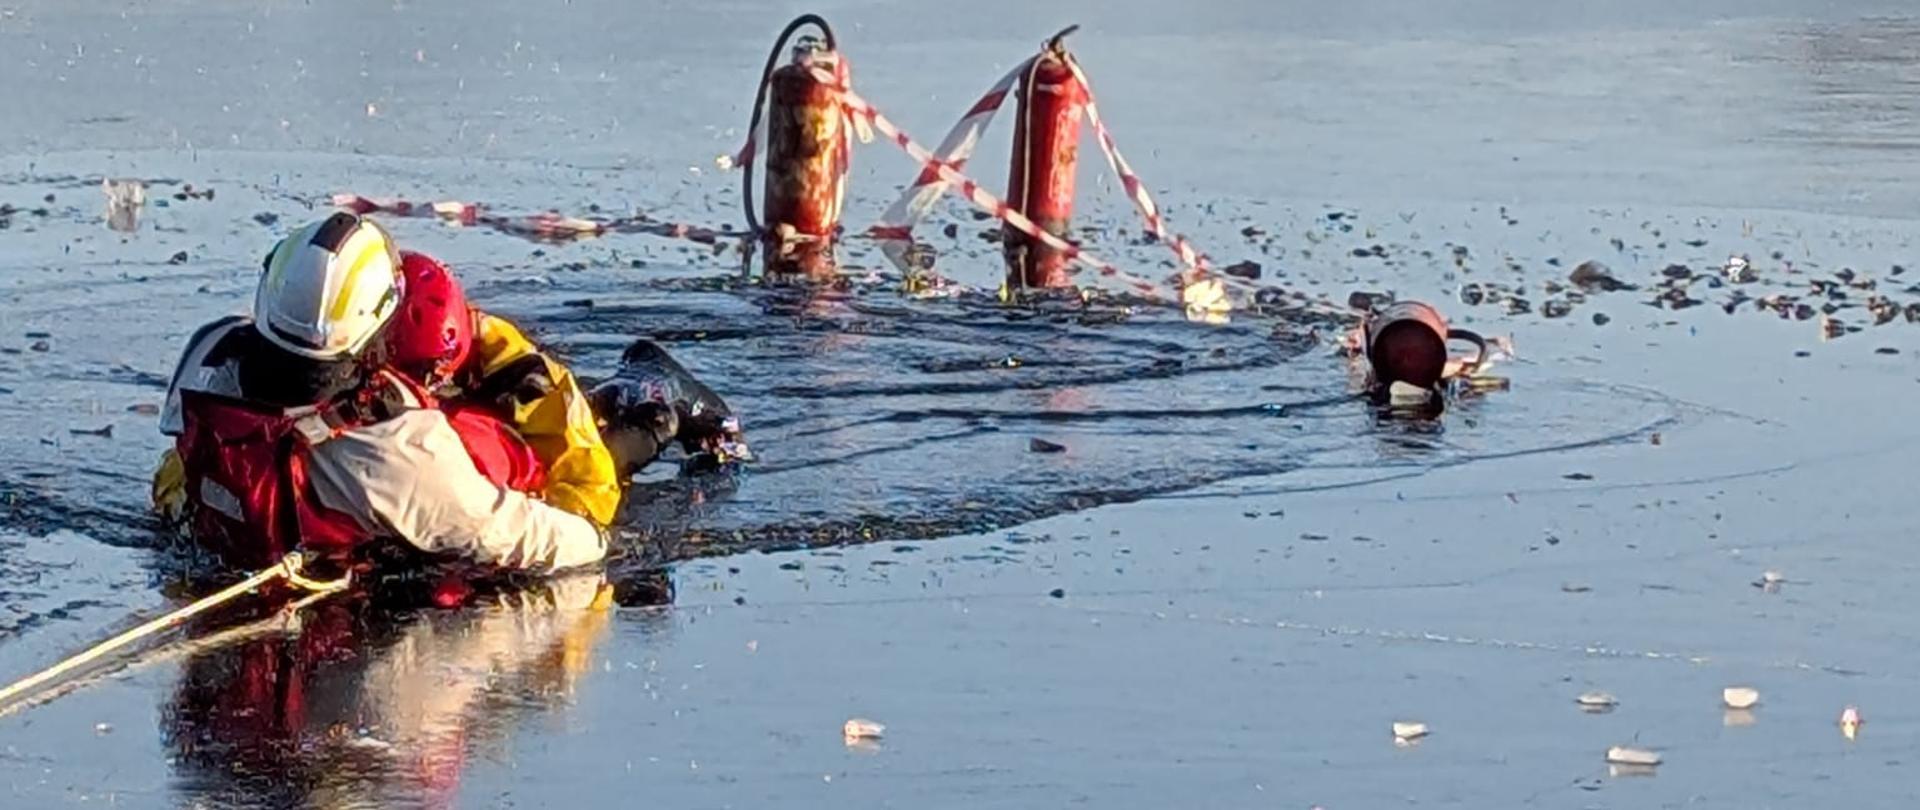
(412, 476)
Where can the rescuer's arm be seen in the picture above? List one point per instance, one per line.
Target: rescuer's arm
(545, 404)
(412, 476)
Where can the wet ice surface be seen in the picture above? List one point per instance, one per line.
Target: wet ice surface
(1296, 578)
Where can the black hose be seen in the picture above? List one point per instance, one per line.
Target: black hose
(760, 102)
(1057, 43)
(1023, 247)
(1475, 339)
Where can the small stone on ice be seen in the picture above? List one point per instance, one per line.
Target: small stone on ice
(863, 729)
(1740, 697)
(1597, 700)
(1623, 755)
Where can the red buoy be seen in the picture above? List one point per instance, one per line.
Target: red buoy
(1046, 145)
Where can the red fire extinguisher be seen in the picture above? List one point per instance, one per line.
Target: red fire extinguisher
(807, 152)
(1406, 342)
(1046, 145)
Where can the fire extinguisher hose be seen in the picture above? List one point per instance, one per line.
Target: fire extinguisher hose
(760, 102)
(1474, 338)
(1025, 200)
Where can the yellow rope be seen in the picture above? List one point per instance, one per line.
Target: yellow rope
(285, 621)
(289, 569)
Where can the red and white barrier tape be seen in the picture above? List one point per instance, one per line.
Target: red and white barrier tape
(980, 197)
(940, 172)
(906, 212)
(546, 226)
(1196, 268)
(843, 77)
(1194, 262)
(955, 149)
(740, 159)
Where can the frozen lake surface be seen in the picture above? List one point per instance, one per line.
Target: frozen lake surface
(1233, 581)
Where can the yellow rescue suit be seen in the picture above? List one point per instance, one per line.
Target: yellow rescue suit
(560, 426)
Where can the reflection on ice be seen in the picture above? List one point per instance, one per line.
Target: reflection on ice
(352, 706)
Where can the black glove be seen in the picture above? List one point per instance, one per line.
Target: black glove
(635, 436)
(701, 432)
(518, 383)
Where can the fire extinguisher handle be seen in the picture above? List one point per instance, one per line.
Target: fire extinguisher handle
(1473, 338)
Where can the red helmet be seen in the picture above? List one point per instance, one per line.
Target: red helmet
(432, 334)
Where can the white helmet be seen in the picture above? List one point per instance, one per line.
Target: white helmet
(328, 288)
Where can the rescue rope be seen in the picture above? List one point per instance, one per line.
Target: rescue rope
(290, 569)
(284, 621)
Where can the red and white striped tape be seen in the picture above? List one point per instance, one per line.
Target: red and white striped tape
(898, 222)
(960, 141)
(980, 197)
(740, 159)
(843, 78)
(1196, 267)
(941, 171)
(547, 226)
(1194, 262)
(955, 149)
